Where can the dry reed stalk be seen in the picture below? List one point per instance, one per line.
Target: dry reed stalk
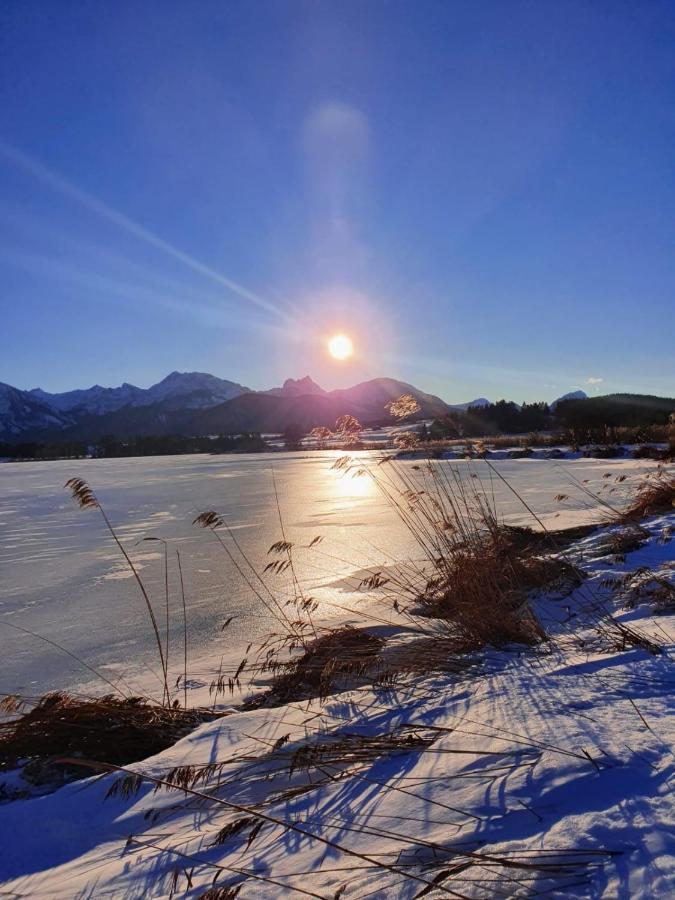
(259, 814)
(213, 521)
(85, 498)
(548, 863)
(185, 640)
(302, 601)
(63, 649)
(214, 892)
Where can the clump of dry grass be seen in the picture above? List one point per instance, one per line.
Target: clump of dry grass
(336, 656)
(644, 586)
(108, 729)
(424, 655)
(603, 442)
(348, 750)
(523, 539)
(656, 496)
(604, 451)
(482, 593)
(619, 543)
(477, 573)
(504, 441)
(404, 407)
(221, 893)
(648, 452)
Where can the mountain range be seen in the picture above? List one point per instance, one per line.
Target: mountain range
(198, 403)
(194, 390)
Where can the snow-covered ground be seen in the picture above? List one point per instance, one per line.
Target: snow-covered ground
(541, 772)
(516, 451)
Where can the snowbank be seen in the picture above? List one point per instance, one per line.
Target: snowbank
(533, 772)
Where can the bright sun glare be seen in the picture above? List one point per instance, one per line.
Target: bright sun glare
(340, 346)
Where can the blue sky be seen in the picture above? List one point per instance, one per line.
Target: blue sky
(481, 194)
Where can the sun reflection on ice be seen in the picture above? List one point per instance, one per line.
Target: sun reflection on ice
(356, 487)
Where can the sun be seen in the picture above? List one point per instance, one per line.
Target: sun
(340, 346)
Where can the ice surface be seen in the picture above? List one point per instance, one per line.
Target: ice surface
(63, 577)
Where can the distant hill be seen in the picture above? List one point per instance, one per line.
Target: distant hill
(297, 387)
(372, 396)
(615, 410)
(271, 413)
(573, 395)
(480, 401)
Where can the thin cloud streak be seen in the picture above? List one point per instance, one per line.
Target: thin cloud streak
(123, 291)
(68, 189)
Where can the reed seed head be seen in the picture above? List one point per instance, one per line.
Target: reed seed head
(81, 493)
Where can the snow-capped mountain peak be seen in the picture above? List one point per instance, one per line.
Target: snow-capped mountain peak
(198, 389)
(21, 412)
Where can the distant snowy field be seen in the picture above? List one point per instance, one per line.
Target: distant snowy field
(63, 578)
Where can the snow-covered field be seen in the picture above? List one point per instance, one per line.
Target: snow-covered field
(544, 772)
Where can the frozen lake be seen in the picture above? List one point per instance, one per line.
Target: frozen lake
(63, 578)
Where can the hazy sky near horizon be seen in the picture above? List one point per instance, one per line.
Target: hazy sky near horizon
(482, 195)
